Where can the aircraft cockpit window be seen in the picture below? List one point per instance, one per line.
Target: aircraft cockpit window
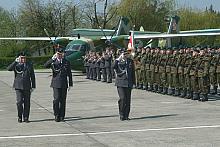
(74, 47)
(83, 48)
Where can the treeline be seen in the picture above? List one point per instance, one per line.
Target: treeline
(59, 17)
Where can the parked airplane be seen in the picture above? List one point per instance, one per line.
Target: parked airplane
(96, 39)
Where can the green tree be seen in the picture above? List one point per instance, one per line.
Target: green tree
(147, 13)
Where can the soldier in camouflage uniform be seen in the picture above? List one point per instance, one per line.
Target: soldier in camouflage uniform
(203, 75)
(147, 67)
(184, 76)
(137, 64)
(142, 69)
(167, 70)
(212, 70)
(152, 57)
(178, 72)
(194, 74)
(156, 62)
(162, 70)
(218, 68)
(173, 71)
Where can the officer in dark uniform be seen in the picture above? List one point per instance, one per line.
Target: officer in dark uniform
(102, 67)
(61, 70)
(108, 67)
(97, 65)
(86, 64)
(24, 83)
(125, 79)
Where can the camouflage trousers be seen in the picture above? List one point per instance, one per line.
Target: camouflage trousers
(187, 84)
(203, 84)
(213, 79)
(143, 77)
(194, 83)
(172, 80)
(137, 76)
(218, 78)
(151, 77)
(181, 81)
(156, 78)
(163, 79)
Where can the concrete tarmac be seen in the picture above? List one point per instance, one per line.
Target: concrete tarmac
(92, 118)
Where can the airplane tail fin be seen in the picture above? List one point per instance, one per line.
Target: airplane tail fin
(123, 27)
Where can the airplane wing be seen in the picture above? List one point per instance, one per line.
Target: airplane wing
(38, 38)
(201, 31)
(146, 36)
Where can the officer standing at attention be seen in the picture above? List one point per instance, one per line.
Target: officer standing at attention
(24, 84)
(61, 70)
(125, 79)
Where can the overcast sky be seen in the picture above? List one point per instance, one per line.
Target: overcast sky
(197, 4)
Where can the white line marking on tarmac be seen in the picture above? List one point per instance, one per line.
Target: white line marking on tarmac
(110, 132)
(1, 110)
(169, 102)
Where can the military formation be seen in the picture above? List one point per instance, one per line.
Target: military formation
(99, 65)
(186, 72)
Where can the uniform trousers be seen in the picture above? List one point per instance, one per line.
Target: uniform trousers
(124, 101)
(59, 102)
(23, 103)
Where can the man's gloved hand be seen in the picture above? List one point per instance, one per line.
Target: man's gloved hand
(32, 90)
(54, 57)
(69, 88)
(17, 59)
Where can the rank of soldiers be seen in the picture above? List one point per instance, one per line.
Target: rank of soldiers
(187, 72)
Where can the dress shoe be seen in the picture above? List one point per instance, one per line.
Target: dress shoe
(62, 119)
(127, 118)
(26, 120)
(122, 118)
(19, 120)
(57, 119)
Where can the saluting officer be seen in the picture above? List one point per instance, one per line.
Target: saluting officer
(125, 79)
(61, 70)
(24, 83)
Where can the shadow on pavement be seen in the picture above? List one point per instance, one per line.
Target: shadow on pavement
(154, 116)
(86, 118)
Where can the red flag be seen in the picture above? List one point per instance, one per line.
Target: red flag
(131, 41)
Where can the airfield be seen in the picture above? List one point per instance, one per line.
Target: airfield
(92, 118)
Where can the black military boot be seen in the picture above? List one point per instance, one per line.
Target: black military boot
(177, 92)
(204, 98)
(140, 86)
(172, 91)
(190, 95)
(215, 88)
(160, 89)
(155, 88)
(183, 93)
(151, 88)
(146, 87)
(165, 90)
(196, 97)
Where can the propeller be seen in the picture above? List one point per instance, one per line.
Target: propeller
(45, 30)
(109, 41)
